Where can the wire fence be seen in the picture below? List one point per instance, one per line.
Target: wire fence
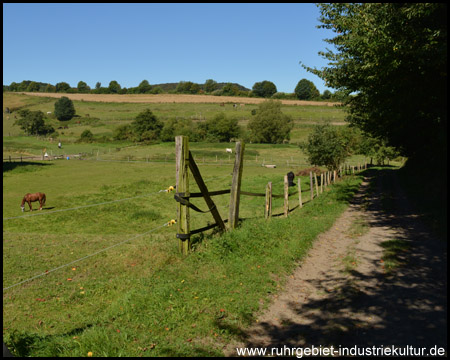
(88, 256)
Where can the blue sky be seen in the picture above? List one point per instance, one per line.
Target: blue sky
(162, 43)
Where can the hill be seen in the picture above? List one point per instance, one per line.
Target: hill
(166, 87)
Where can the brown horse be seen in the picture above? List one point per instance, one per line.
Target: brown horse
(29, 198)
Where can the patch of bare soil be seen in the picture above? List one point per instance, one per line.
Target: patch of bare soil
(324, 305)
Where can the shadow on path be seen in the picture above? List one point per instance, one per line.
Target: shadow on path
(408, 308)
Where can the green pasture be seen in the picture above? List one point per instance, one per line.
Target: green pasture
(140, 297)
(102, 118)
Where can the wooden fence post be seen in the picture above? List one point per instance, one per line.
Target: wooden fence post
(202, 186)
(300, 193)
(236, 186)
(321, 183)
(182, 186)
(311, 185)
(317, 185)
(286, 196)
(268, 209)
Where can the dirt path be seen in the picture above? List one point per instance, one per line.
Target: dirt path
(324, 305)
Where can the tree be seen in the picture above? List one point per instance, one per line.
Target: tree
(49, 88)
(392, 58)
(270, 125)
(83, 87)
(146, 126)
(264, 89)
(144, 87)
(114, 87)
(98, 85)
(64, 109)
(220, 128)
(32, 122)
(210, 86)
(325, 146)
(33, 87)
(62, 87)
(123, 132)
(326, 95)
(87, 136)
(306, 90)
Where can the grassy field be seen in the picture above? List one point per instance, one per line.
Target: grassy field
(102, 117)
(140, 296)
(98, 271)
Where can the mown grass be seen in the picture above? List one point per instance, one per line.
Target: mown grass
(142, 298)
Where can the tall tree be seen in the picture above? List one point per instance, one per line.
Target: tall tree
(114, 87)
(83, 87)
(64, 109)
(210, 85)
(270, 125)
(392, 59)
(264, 89)
(62, 87)
(144, 87)
(306, 90)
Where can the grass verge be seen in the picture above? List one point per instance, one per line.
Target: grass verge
(185, 306)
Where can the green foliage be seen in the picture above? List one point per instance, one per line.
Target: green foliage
(377, 149)
(264, 89)
(393, 58)
(327, 146)
(62, 87)
(123, 132)
(87, 136)
(83, 87)
(32, 122)
(180, 126)
(187, 87)
(230, 89)
(144, 87)
(210, 86)
(33, 87)
(326, 95)
(219, 129)
(306, 90)
(146, 126)
(64, 109)
(270, 125)
(114, 87)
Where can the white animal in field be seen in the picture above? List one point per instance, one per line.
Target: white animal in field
(49, 112)
(270, 166)
(228, 150)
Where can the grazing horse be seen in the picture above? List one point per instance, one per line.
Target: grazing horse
(29, 198)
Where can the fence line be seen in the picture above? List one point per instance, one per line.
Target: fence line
(185, 161)
(88, 256)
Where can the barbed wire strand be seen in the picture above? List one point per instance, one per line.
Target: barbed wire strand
(87, 256)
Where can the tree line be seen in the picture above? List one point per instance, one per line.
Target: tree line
(305, 89)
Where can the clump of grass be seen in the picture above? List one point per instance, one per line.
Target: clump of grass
(393, 254)
(358, 228)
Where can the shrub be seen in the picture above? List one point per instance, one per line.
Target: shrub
(87, 136)
(269, 124)
(64, 109)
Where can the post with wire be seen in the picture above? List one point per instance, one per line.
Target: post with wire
(182, 188)
(236, 185)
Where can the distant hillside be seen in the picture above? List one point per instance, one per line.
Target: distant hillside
(166, 87)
